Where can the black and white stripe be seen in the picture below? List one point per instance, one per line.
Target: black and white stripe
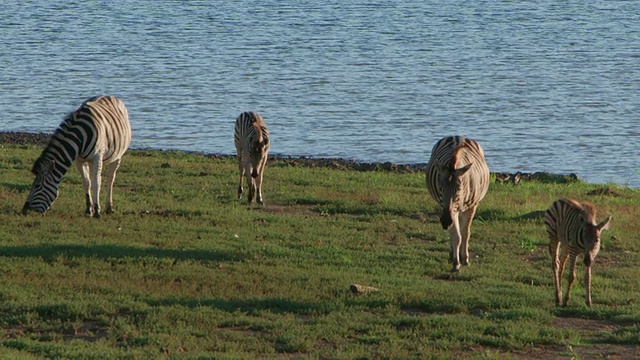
(457, 178)
(97, 133)
(251, 138)
(572, 231)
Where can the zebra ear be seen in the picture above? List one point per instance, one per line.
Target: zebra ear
(461, 171)
(604, 224)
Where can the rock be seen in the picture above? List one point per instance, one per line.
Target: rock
(362, 289)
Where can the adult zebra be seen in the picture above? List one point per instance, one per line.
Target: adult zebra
(457, 178)
(573, 231)
(251, 138)
(97, 133)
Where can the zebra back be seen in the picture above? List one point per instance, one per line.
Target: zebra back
(110, 118)
(251, 133)
(454, 153)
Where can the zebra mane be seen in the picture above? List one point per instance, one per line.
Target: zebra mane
(43, 160)
(456, 155)
(55, 140)
(258, 129)
(589, 212)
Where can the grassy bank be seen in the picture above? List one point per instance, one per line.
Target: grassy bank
(183, 269)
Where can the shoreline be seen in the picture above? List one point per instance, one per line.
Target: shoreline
(41, 139)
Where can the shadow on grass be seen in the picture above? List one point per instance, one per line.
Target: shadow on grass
(16, 187)
(492, 215)
(275, 305)
(363, 209)
(278, 305)
(105, 252)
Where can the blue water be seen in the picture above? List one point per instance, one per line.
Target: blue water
(542, 85)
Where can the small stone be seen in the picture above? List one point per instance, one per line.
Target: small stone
(362, 289)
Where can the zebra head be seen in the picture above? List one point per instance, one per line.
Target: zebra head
(591, 235)
(450, 182)
(45, 186)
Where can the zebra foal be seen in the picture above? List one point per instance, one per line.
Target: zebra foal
(573, 230)
(457, 178)
(97, 133)
(251, 138)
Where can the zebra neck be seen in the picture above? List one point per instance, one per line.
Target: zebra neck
(62, 150)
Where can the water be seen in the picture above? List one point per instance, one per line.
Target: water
(542, 85)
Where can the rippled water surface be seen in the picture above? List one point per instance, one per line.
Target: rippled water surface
(542, 85)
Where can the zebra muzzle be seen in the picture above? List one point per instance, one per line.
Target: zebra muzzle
(445, 220)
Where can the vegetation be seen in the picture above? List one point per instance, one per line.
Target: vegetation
(185, 270)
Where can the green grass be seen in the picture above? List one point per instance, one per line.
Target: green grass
(185, 270)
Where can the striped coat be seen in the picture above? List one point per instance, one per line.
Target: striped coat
(251, 138)
(98, 133)
(457, 178)
(572, 231)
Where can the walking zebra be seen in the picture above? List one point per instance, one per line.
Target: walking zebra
(457, 178)
(572, 229)
(252, 146)
(97, 133)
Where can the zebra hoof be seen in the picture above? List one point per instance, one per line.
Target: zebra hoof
(97, 215)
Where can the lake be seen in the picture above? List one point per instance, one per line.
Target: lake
(542, 85)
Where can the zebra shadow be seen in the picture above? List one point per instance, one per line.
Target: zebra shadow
(501, 215)
(279, 305)
(50, 253)
(491, 215)
(16, 187)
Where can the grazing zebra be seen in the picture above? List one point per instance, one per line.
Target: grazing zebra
(457, 178)
(572, 228)
(252, 146)
(97, 133)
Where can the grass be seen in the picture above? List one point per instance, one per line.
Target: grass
(185, 270)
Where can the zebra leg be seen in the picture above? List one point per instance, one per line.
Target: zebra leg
(455, 240)
(587, 283)
(241, 166)
(572, 278)
(83, 167)
(251, 184)
(258, 179)
(96, 171)
(557, 274)
(465, 232)
(111, 178)
(563, 262)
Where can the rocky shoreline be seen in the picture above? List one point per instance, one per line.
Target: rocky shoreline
(41, 139)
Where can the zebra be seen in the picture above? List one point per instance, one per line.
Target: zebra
(251, 138)
(97, 133)
(457, 178)
(573, 231)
